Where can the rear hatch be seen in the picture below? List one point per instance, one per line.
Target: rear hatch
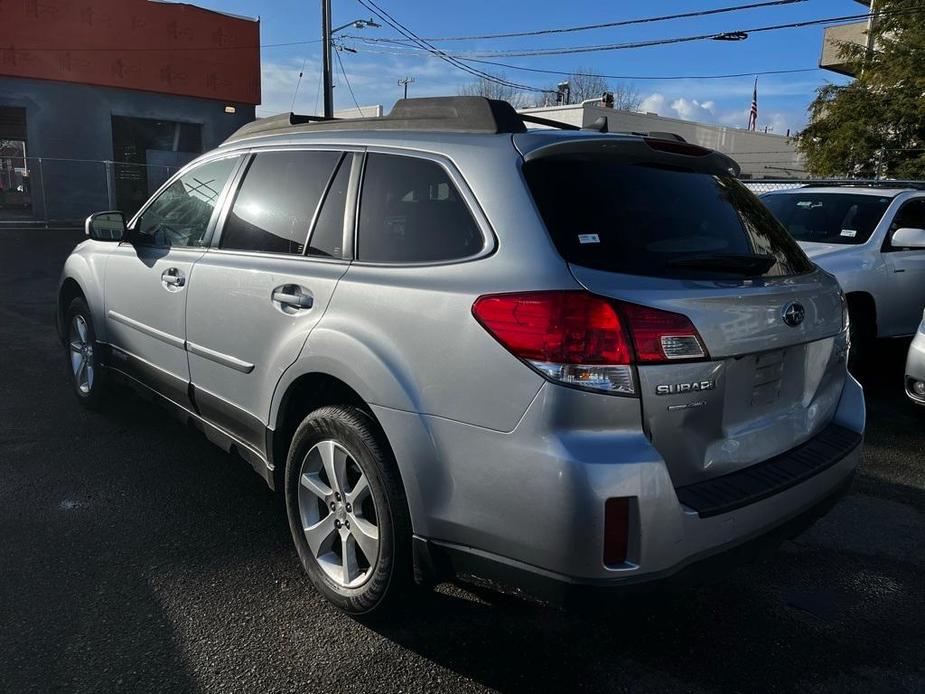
(665, 225)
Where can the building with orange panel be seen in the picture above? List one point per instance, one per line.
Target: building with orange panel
(100, 100)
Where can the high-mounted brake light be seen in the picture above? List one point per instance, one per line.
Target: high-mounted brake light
(673, 147)
(583, 340)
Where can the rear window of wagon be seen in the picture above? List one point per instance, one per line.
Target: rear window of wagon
(643, 219)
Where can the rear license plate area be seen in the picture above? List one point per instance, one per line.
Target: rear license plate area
(767, 377)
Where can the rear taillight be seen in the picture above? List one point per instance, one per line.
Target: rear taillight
(579, 339)
(571, 337)
(661, 336)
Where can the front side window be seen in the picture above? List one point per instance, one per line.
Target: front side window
(411, 212)
(910, 216)
(180, 215)
(842, 218)
(275, 205)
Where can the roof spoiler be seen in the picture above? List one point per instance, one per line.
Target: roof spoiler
(645, 150)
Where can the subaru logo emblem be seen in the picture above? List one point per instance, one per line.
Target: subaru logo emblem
(793, 314)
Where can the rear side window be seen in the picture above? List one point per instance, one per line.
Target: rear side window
(327, 238)
(843, 218)
(411, 212)
(655, 221)
(276, 202)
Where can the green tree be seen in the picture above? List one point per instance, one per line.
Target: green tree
(875, 126)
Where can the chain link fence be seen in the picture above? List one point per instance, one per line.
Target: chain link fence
(51, 190)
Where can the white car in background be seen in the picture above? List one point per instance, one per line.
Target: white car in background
(873, 240)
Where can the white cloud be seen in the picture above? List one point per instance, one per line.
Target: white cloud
(654, 103)
(709, 111)
(692, 109)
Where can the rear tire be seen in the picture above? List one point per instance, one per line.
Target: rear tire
(86, 373)
(347, 511)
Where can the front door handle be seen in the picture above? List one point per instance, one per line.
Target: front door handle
(173, 277)
(293, 296)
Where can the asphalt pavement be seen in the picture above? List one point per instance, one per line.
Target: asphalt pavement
(135, 556)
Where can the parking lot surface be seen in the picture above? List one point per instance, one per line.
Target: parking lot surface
(135, 556)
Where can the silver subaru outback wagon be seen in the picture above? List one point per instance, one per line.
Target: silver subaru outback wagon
(547, 358)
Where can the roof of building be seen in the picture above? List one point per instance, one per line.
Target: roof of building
(232, 15)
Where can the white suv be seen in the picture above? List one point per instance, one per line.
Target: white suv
(873, 241)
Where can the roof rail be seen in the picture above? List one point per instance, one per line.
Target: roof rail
(456, 114)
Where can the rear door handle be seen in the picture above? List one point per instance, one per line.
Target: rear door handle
(173, 277)
(293, 297)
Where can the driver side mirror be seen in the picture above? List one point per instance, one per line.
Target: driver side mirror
(106, 226)
(908, 238)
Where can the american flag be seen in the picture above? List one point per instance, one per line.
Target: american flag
(753, 113)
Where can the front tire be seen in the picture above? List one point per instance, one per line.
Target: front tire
(347, 511)
(86, 372)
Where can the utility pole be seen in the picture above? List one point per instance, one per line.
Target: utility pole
(404, 83)
(327, 75)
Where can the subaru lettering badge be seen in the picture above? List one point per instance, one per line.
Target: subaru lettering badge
(793, 314)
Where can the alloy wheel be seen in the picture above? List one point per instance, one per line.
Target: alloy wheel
(338, 514)
(81, 354)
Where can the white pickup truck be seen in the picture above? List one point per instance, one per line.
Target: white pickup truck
(873, 240)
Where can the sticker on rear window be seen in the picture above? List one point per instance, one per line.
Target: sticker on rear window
(850, 233)
(589, 238)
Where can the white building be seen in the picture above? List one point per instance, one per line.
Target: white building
(761, 155)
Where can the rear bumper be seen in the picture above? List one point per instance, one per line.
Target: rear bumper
(530, 502)
(446, 560)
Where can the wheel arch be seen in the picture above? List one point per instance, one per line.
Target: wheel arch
(82, 276)
(70, 289)
(304, 394)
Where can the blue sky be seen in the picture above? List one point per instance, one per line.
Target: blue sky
(374, 71)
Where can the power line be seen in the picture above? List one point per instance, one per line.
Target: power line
(654, 42)
(298, 83)
(317, 95)
(347, 82)
(645, 77)
(619, 23)
(569, 73)
(395, 24)
(407, 33)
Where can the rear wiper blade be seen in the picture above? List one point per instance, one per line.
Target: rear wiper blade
(744, 263)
